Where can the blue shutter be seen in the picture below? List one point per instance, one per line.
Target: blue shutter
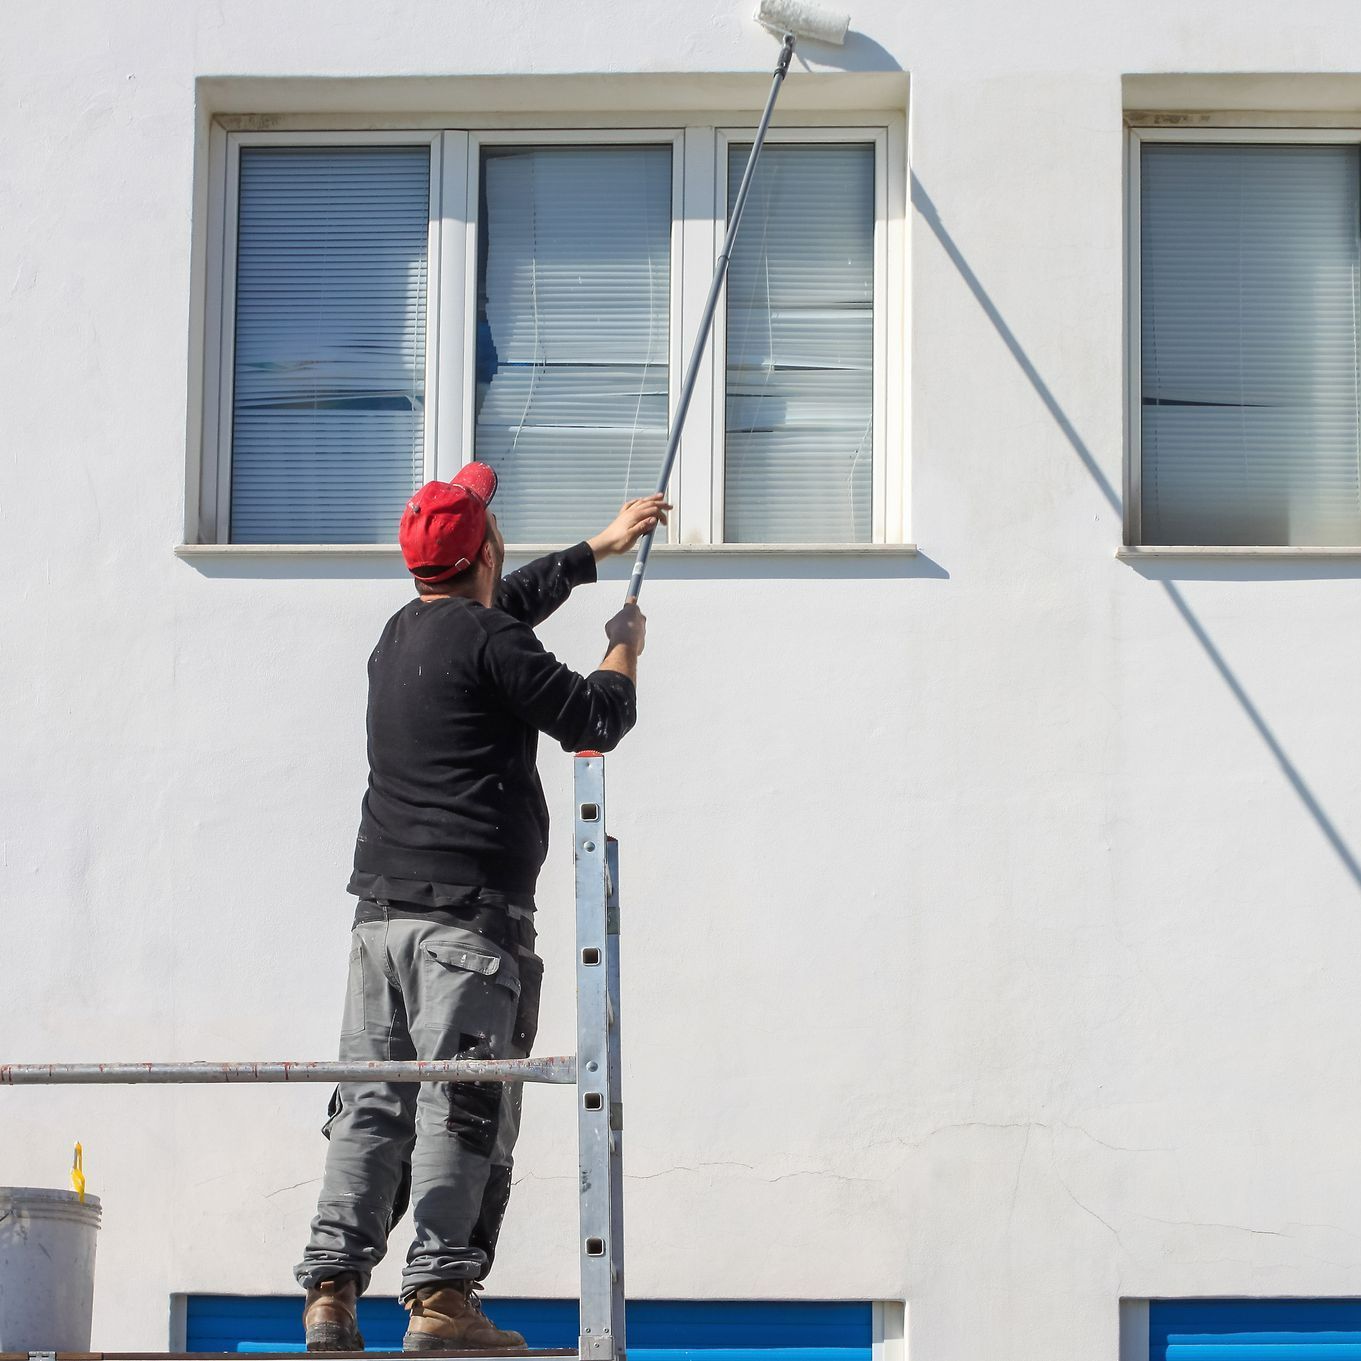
(1254, 1330)
(658, 1330)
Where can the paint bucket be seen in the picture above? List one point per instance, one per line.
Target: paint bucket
(47, 1269)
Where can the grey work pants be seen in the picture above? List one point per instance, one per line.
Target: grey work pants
(423, 990)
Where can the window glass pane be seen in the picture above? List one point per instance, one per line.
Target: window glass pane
(1249, 263)
(573, 283)
(329, 367)
(800, 381)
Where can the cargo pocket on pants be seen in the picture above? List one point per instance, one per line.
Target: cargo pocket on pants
(486, 1017)
(455, 956)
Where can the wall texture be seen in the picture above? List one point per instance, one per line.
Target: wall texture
(991, 914)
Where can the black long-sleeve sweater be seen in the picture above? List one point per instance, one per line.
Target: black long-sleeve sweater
(458, 695)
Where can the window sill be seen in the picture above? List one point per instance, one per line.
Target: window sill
(287, 550)
(775, 550)
(516, 550)
(1131, 552)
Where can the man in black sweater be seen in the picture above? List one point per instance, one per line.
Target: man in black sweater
(453, 833)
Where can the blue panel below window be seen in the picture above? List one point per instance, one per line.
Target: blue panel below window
(658, 1330)
(1254, 1330)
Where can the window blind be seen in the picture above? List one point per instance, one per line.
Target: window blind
(800, 347)
(1249, 306)
(329, 363)
(574, 276)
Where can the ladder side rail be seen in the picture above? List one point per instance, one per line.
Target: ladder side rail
(601, 1283)
(615, 1090)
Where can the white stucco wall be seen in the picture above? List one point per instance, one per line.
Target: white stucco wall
(981, 949)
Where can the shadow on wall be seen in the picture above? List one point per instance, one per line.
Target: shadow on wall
(859, 53)
(922, 202)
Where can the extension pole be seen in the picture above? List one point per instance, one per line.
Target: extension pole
(706, 321)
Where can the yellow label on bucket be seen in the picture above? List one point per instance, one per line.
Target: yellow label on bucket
(78, 1174)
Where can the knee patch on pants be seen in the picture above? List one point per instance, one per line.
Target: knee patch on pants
(474, 1107)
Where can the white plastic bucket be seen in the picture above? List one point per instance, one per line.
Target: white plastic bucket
(47, 1269)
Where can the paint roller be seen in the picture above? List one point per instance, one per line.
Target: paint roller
(792, 20)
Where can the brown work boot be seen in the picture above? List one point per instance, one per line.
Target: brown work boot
(448, 1317)
(329, 1317)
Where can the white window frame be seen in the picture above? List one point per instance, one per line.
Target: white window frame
(1138, 137)
(698, 218)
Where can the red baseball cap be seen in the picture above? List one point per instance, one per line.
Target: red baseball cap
(444, 524)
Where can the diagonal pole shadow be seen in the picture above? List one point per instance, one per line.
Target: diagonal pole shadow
(922, 202)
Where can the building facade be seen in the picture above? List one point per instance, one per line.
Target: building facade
(990, 833)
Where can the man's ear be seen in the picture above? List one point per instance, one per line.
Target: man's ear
(487, 554)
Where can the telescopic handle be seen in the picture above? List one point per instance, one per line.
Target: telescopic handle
(635, 586)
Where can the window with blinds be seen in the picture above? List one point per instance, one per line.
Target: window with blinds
(328, 370)
(798, 451)
(573, 318)
(1250, 263)
(553, 361)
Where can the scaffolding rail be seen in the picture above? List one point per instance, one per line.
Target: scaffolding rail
(560, 1069)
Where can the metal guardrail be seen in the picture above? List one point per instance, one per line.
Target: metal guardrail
(556, 1069)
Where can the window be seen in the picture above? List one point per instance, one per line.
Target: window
(573, 319)
(798, 454)
(328, 364)
(385, 306)
(1248, 421)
